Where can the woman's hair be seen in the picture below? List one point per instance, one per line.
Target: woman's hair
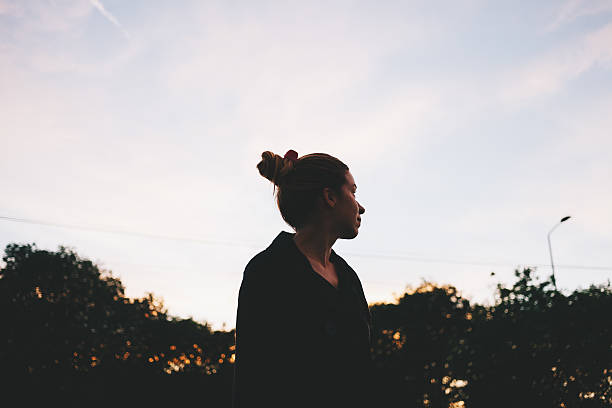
(299, 184)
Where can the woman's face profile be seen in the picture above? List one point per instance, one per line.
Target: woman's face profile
(348, 209)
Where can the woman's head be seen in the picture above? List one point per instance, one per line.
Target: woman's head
(313, 187)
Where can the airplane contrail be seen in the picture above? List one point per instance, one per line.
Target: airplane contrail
(98, 5)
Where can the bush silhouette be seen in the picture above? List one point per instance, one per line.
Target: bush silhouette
(71, 336)
(534, 347)
(68, 328)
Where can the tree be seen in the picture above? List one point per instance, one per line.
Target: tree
(70, 333)
(539, 347)
(533, 347)
(415, 346)
(69, 328)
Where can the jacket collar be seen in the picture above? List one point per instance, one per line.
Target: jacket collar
(284, 244)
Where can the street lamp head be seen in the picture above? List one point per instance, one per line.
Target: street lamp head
(565, 218)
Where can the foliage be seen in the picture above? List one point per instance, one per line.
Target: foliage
(70, 333)
(534, 347)
(68, 325)
(415, 345)
(554, 349)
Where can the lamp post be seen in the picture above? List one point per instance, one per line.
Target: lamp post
(552, 264)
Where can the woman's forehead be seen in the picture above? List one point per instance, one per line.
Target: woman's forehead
(349, 179)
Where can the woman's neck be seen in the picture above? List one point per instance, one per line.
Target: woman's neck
(315, 243)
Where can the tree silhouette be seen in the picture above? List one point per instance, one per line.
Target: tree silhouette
(69, 328)
(415, 346)
(534, 347)
(540, 347)
(69, 335)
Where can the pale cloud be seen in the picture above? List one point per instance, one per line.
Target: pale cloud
(398, 122)
(161, 134)
(37, 30)
(550, 73)
(290, 58)
(7, 7)
(574, 9)
(45, 16)
(571, 176)
(59, 62)
(290, 83)
(53, 16)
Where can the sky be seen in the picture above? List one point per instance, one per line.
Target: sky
(130, 132)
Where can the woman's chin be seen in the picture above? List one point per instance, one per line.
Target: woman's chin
(350, 235)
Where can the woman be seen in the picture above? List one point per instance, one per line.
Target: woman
(303, 323)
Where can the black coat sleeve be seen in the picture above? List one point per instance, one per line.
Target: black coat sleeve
(259, 380)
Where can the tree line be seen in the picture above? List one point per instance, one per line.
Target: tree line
(70, 335)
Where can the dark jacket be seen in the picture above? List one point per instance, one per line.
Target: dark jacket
(300, 342)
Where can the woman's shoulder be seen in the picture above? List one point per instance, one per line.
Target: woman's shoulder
(258, 265)
(266, 264)
(265, 275)
(278, 254)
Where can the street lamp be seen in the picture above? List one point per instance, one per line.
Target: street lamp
(552, 264)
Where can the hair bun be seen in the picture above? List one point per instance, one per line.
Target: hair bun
(274, 167)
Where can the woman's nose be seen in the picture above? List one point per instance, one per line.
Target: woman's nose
(361, 209)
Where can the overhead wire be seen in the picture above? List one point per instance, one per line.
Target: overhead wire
(126, 232)
(254, 245)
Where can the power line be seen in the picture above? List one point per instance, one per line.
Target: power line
(132, 233)
(400, 257)
(473, 263)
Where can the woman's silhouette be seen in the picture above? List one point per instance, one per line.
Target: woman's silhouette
(303, 324)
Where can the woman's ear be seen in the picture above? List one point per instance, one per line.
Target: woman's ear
(329, 197)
